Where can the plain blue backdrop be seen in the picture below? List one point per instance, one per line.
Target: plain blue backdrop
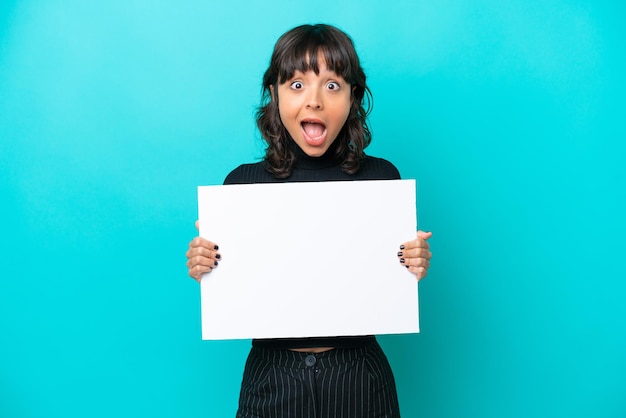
(510, 114)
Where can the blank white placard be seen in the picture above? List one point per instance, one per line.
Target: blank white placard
(308, 259)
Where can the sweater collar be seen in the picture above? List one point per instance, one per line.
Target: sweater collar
(307, 162)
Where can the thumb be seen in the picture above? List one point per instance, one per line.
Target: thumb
(424, 235)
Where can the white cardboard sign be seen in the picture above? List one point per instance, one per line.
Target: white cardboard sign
(308, 259)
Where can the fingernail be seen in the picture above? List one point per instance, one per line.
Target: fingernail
(218, 256)
(402, 260)
(406, 266)
(215, 263)
(402, 247)
(215, 247)
(399, 253)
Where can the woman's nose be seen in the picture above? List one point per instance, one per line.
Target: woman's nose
(314, 101)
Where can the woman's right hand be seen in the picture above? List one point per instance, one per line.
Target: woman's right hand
(202, 257)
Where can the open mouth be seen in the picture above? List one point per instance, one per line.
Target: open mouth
(314, 131)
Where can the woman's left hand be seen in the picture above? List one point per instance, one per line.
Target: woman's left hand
(415, 255)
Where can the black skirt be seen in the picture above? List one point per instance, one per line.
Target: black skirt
(340, 383)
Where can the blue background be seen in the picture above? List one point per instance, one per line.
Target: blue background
(509, 113)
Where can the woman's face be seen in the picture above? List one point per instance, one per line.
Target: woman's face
(314, 108)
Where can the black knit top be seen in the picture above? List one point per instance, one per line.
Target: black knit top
(310, 169)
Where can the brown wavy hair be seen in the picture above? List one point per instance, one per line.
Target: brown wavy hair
(298, 50)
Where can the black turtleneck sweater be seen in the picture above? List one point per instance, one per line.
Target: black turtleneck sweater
(324, 168)
(309, 169)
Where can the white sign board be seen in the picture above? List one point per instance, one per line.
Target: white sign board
(308, 259)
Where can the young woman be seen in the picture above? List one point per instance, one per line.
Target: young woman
(313, 118)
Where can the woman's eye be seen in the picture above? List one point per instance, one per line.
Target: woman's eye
(332, 86)
(296, 85)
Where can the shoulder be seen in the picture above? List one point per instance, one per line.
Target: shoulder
(249, 173)
(374, 168)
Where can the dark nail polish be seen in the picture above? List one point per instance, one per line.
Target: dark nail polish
(218, 256)
(402, 260)
(402, 247)
(399, 253)
(215, 263)
(406, 266)
(215, 247)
